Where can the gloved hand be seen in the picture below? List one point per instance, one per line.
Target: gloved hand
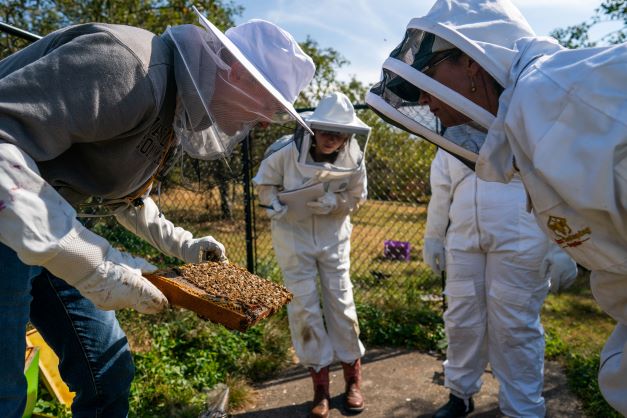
(560, 268)
(109, 278)
(323, 205)
(148, 223)
(434, 255)
(203, 249)
(278, 209)
(269, 198)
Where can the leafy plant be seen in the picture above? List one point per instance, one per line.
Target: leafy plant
(401, 326)
(582, 378)
(179, 358)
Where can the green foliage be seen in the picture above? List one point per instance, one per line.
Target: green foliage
(179, 358)
(327, 61)
(398, 163)
(578, 36)
(47, 405)
(582, 372)
(185, 359)
(575, 329)
(269, 269)
(555, 346)
(400, 326)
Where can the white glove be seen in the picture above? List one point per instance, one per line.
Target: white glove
(277, 209)
(109, 278)
(559, 268)
(146, 222)
(434, 255)
(323, 205)
(269, 199)
(203, 249)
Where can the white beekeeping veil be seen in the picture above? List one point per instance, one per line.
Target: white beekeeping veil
(334, 115)
(228, 83)
(485, 30)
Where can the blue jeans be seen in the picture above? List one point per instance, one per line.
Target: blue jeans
(94, 357)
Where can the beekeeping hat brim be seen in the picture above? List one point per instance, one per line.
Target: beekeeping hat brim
(271, 56)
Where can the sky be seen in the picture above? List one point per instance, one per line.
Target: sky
(365, 31)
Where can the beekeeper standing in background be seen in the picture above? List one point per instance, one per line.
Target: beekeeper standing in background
(499, 265)
(323, 180)
(94, 114)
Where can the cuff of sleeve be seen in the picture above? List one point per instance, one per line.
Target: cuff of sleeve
(80, 253)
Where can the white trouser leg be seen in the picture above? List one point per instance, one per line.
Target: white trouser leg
(613, 370)
(338, 304)
(516, 337)
(309, 337)
(299, 268)
(465, 322)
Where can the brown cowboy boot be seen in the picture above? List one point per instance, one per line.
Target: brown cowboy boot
(354, 401)
(320, 408)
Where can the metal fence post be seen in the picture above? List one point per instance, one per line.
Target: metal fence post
(248, 204)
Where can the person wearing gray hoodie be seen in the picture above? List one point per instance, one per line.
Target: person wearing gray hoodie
(94, 114)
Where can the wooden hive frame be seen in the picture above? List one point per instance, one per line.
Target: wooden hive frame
(235, 315)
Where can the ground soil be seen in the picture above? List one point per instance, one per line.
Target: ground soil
(397, 383)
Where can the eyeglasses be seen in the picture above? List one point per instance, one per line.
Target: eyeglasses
(331, 134)
(428, 69)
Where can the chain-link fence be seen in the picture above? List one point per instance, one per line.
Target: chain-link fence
(386, 264)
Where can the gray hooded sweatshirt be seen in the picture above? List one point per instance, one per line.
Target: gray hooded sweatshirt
(93, 105)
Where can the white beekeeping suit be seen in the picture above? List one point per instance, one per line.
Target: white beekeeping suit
(560, 124)
(494, 251)
(317, 244)
(316, 241)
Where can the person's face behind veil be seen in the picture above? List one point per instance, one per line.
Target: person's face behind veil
(240, 95)
(460, 73)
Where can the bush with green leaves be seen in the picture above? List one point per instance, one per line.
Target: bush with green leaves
(401, 326)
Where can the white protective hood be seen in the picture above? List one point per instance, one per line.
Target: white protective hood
(486, 30)
(228, 82)
(333, 113)
(336, 113)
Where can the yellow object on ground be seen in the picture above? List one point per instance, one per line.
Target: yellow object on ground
(49, 368)
(31, 372)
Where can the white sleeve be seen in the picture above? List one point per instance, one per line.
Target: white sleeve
(267, 194)
(270, 170)
(269, 178)
(148, 223)
(356, 194)
(34, 217)
(440, 203)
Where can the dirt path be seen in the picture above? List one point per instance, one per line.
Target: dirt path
(398, 383)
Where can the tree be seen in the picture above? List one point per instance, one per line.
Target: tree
(327, 61)
(578, 36)
(44, 16)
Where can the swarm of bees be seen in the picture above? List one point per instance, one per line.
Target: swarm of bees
(235, 286)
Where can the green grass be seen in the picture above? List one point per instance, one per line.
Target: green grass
(576, 330)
